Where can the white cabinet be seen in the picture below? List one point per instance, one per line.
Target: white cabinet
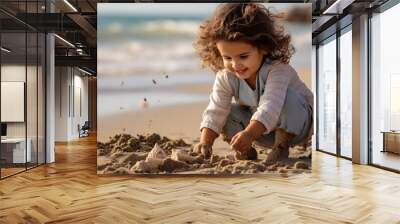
(17, 147)
(391, 142)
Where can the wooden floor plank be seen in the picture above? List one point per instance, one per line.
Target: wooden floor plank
(69, 191)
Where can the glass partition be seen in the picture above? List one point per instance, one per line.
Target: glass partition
(31, 99)
(22, 87)
(13, 105)
(327, 96)
(32, 87)
(346, 93)
(41, 91)
(385, 89)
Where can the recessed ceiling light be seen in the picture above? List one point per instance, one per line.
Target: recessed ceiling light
(64, 40)
(84, 71)
(70, 5)
(5, 50)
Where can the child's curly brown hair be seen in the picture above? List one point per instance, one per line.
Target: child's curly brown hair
(252, 23)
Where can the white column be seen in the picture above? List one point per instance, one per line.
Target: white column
(360, 90)
(50, 98)
(50, 92)
(62, 103)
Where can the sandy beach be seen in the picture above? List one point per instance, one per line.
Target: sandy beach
(177, 123)
(128, 136)
(165, 118)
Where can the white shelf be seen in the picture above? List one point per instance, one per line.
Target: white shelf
(18, 150)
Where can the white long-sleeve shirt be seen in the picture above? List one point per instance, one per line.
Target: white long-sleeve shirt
(266, 101)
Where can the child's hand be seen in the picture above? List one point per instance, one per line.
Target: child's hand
(204, 149)
(242, 141)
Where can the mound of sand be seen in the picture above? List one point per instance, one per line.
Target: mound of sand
(153, 154)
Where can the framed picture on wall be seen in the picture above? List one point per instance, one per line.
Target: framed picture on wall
(12, 101)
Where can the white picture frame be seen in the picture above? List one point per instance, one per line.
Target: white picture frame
(12, 101)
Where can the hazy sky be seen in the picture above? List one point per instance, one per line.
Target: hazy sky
(171, 8)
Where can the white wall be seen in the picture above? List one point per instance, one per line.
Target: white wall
(71, 94)
(14, 73)
(62, 81)
(80, 110)
(17, 73)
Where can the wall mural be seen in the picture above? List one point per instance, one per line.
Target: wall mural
(204, 88)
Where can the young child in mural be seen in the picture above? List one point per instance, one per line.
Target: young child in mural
(250, 54)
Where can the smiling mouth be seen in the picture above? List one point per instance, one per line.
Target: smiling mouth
(241, 71)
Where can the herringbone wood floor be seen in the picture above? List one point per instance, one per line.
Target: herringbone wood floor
(69, 191)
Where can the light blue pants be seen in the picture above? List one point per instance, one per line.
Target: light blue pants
(295, 118)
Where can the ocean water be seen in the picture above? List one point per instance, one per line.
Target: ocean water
(135, 50)
(147, 44)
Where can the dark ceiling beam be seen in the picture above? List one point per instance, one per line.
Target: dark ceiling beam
(86, 51)
(20, 59)
(84, 24)
(49, 22)
(61, 22)
(331, 29)
(81, 61)
(322, 22)
(91, 5)
(346, 10)
(11, 25)
(17, 20)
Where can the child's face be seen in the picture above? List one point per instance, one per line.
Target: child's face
(241, 58)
